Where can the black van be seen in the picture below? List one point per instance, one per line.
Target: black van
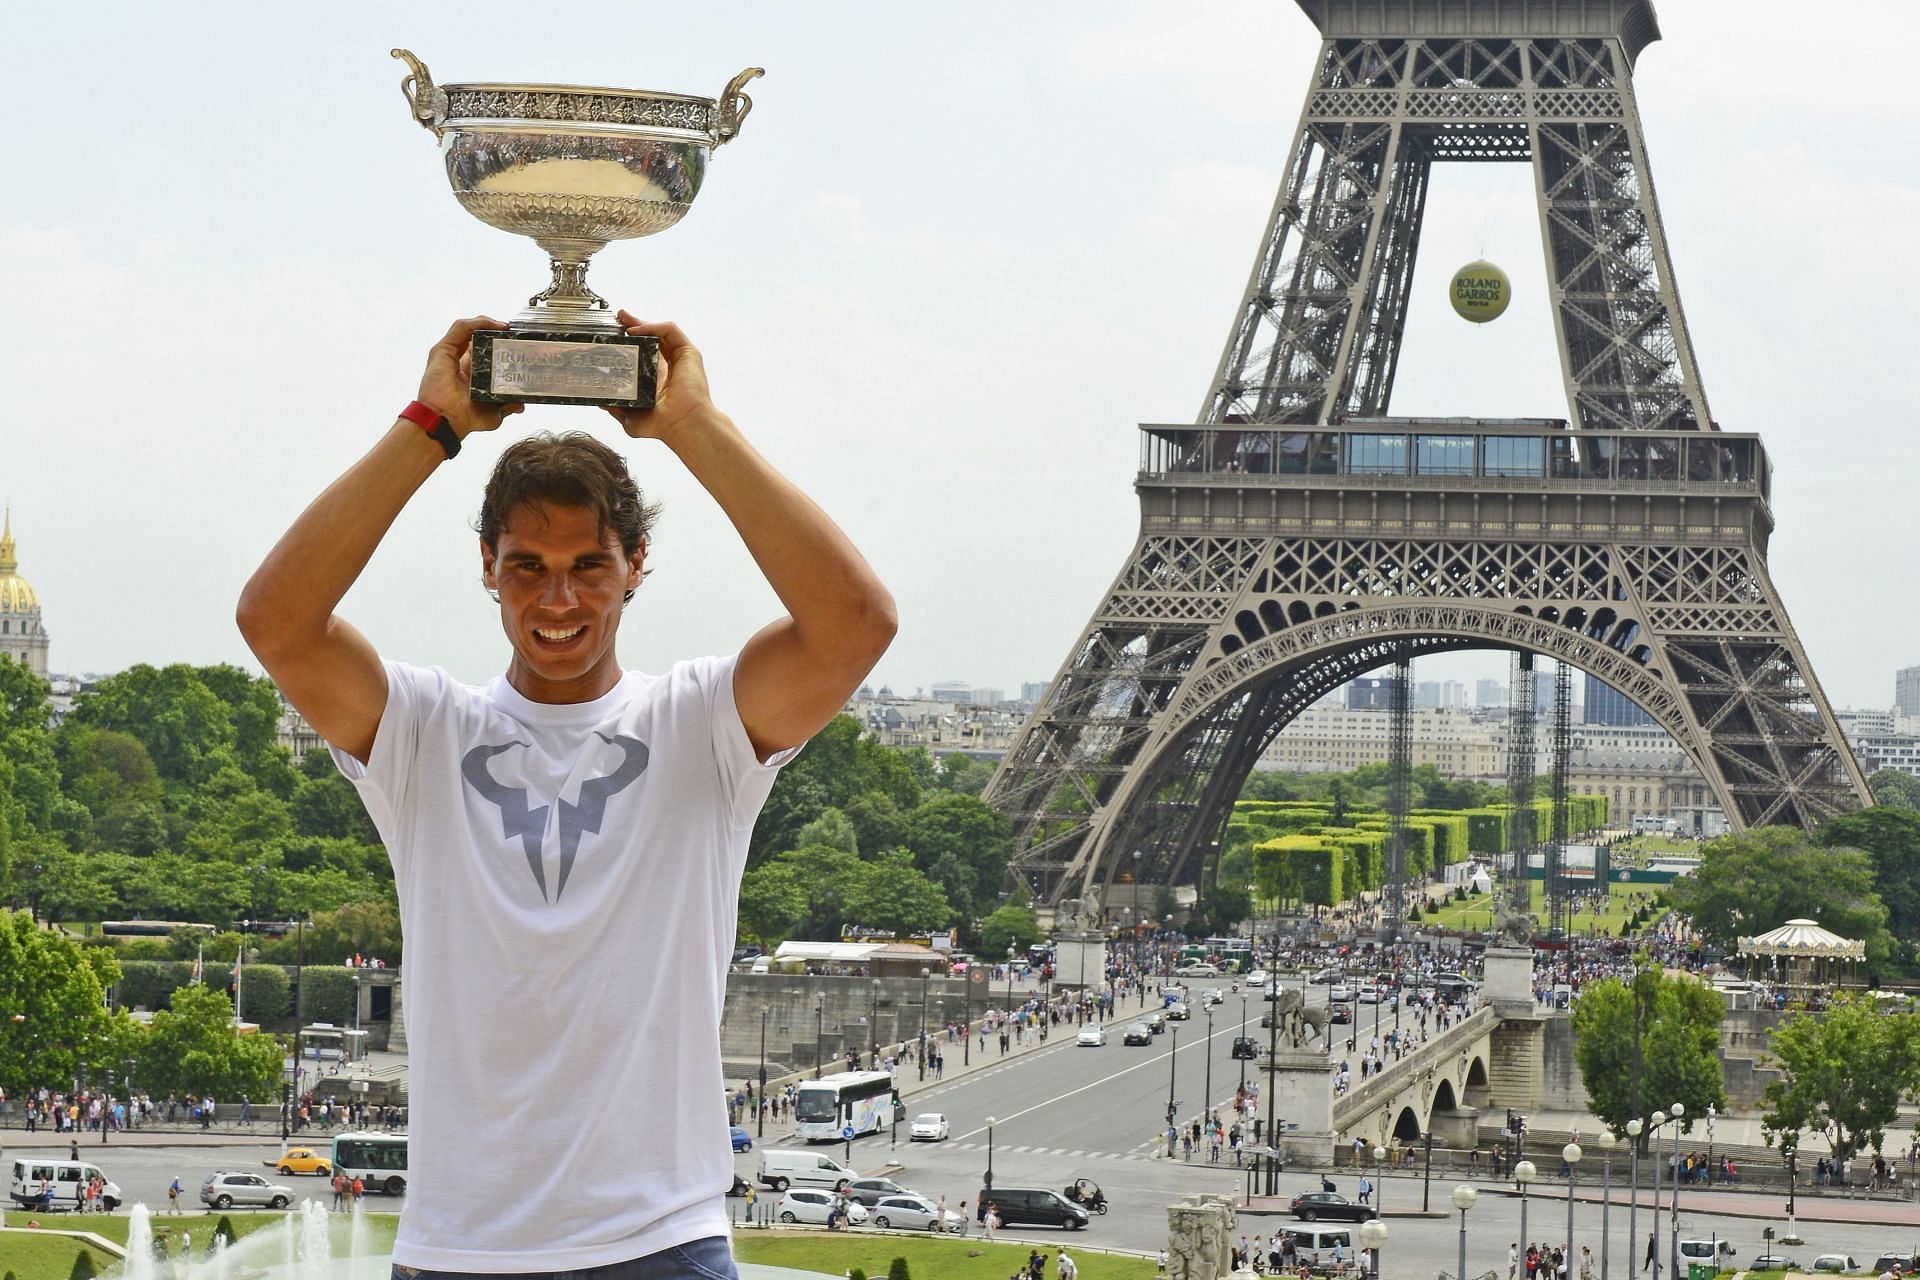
(1031, 1207)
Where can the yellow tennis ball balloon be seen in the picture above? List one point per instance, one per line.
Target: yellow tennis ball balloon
(1480, 292)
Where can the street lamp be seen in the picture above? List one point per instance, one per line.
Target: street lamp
(819, 1031)
(106, 1102)
(1009, 979)
(1463, 1198)
(1674, 1113)
(1206, 1089)
(1571, 1155)
(1173, 1050)
(760, 1125)
(925, 974)
(1373, 1234)
(1379, 1154)
(874, 1026)
(1634, 1129)
(989, 1179)
(1243, 1034)
(1606, 1141)
(1522, 1175)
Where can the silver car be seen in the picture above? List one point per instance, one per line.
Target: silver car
(224, 1190)
(915, 1213)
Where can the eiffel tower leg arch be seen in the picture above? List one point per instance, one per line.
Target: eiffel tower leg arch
(1174, 803)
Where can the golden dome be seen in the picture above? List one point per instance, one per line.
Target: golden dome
(16, 595)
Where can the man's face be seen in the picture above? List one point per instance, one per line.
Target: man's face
(560, 588)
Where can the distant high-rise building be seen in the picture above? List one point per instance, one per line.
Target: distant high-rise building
(1426, 693)
(957, 691)
(1906, 692)
(1607, 705)
(1033, 690)
(987, 696)
(1489, 693)
(1370, 695)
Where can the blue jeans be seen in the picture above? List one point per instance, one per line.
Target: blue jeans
(709, 1259)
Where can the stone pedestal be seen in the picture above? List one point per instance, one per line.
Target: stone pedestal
(1508, 973)
(1079, 959)
(1200, 1238)
(1302, 1085)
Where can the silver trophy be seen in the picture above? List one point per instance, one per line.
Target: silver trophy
(574, 168)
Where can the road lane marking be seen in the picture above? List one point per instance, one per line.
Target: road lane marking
(1083, 1088)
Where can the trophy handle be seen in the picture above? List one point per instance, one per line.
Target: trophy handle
(427, 101)
(733, 106)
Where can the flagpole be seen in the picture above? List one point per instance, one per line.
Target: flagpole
(238, 956)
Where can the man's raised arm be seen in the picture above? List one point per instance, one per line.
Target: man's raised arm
(324, 667)
(797, 672)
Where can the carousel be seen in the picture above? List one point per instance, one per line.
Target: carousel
(1802, 960)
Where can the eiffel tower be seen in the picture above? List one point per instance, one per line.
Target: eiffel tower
(1296, 536)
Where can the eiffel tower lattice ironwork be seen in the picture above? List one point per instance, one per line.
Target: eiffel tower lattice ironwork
(1296, 537)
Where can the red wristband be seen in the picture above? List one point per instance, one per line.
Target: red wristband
(434, 423)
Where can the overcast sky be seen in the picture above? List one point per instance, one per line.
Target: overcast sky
(958, 253)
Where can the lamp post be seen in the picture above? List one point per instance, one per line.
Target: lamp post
(989, 1178)
(1522, 1175)
(1634, 1128)
(1009, 979)
(925, 974)
(1674, 1113)
(1606, 1141)
(1206, 1051)
(873, 1026)
(106, 1102)
(966, 1016)
(1463, 1198)
(1243, 1034)
(1379, 1154)
(760, 1125)
(1571, 1155)
(819, 1031)
(1173, 1106)
(1373, 1234)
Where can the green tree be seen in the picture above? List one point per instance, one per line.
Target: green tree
(833, 829)
(837, 765)
(877, 821)
(192, 1047)
(1678, 1020)
(1228, 903)
(1890, 836)
(1760, 879)
(891, 894)
(826, 878)
(771, 904)
(1847, 1071)
(1010, 926)
(1892, 787)
(54, 1024)
(186, 727)
(962, 845)
(368, 928)
(962, 773)
(329, 806)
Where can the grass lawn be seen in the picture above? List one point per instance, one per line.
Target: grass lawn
(31, 1257)
(928, 1258)
(1476, 913)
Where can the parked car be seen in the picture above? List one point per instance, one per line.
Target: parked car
(742, 1140)
(1180, 1011)
(1032, 1206)
(226, 1189)
(1310, 1206)
(1835, 1262)
(915, 1213)
(870, 1191)
(1901, 1264)
(929, 1127)
(1773, 1262)
(300, 1160)
(805, 1204)
(1092, 1037)
(1137, 1033)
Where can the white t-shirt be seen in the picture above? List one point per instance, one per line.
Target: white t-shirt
(568, 877)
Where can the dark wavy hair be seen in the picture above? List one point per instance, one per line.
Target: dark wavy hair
(571, 469)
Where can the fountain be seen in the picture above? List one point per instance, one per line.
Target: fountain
(308, 1244)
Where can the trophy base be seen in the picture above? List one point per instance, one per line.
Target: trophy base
(527, 366)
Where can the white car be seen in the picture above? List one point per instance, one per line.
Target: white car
(1212, 996)
(1198, 969)
(1369, 994)
(931, 1127)
(226, 1189)
(804, 1204)
(1093, 1036)
(1339, 993)
(1257, 978)
(915, 1213)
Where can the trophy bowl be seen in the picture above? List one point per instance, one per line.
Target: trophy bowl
(572, 167)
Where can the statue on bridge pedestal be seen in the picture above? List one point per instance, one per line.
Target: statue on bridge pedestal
(1515, 928)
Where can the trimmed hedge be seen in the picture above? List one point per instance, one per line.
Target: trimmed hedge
(328, 994)
(266, 993)
(150, 984)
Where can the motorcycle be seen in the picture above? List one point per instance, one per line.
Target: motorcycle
(1087, 1194)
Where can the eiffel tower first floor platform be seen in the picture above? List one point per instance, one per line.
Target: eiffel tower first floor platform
(1275, 563)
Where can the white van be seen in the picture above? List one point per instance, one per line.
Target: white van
(783, 1169)
(31, 1177)
(1315, 1243)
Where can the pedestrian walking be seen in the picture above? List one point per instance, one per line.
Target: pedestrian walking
(173, 1195)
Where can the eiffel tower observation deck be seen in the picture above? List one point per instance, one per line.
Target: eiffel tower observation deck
(1297, 535)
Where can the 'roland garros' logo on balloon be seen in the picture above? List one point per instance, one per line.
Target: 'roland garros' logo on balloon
(1481, 292)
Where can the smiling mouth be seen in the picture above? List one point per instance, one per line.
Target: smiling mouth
(557, 635)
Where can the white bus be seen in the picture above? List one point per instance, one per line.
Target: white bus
(377, 1159)
(824, 1108)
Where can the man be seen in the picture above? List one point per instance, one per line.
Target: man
(568, 840)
